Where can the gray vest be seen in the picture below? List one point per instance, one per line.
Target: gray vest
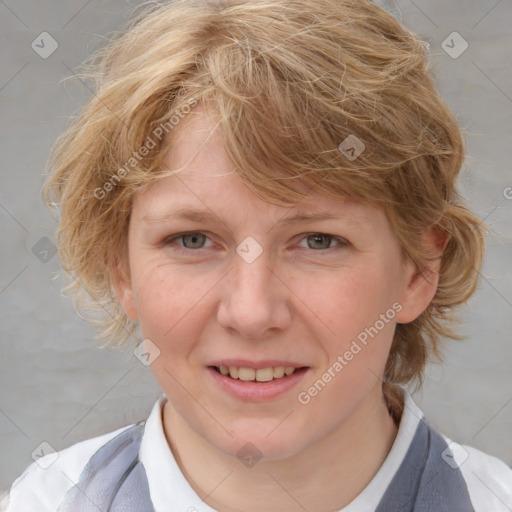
(114, 480)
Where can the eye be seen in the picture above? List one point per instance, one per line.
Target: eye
(196, 240)
(319, 241)
(193, 240)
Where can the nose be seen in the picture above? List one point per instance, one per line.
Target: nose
(255, 299)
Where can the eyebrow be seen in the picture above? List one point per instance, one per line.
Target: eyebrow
(198, 215)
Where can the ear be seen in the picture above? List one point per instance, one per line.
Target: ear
(421, 285)
(123, 287)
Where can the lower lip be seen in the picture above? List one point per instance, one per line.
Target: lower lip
(257, 391)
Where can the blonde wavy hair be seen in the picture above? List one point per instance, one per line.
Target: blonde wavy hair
(288, 81)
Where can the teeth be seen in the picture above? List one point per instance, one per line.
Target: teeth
(233, 372)
(278, 372)
(246, 373)
(261, 375)
(264, 374)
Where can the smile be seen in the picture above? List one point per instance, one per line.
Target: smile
(259, 375)
(256, 384)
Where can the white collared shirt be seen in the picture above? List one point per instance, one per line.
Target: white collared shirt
(42, 489)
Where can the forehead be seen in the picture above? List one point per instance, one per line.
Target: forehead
(206, 197)
(206, 184)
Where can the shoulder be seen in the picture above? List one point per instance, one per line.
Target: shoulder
(488, 478)
(43, 485)
(452, 473)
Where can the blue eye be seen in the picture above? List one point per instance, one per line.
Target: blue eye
(197, 239)
(323, 240)
(193, 240)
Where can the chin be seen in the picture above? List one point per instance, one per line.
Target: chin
(259, 439)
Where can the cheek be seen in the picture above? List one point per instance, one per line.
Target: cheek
(348, 299)
(355, 316)
(169, 305)
(166, 301)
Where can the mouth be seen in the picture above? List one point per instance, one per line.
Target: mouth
(260, 375)
(268, 374)
(256, 381)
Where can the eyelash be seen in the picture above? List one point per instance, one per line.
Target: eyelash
(342, 243)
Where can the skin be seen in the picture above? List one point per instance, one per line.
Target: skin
(303, 299)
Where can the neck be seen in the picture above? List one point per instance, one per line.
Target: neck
(325, 476)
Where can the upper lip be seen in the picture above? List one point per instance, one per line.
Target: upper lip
(256, 365)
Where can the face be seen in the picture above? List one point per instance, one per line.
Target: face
(220, 279)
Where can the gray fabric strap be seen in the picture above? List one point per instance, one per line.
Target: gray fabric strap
(425, 482)
(113, 480)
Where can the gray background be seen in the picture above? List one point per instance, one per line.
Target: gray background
(58, 386)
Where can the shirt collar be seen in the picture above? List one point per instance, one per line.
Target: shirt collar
(169, 487)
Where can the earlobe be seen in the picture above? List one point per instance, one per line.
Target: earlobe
(124, 291)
